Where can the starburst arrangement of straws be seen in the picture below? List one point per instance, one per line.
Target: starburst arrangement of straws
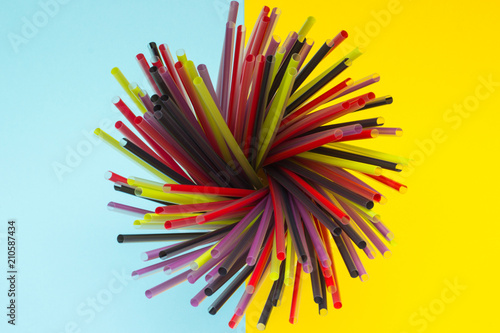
(260, 167)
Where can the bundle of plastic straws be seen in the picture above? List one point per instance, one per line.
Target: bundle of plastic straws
(256, 177)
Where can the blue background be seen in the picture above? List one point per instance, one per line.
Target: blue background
(56, 89)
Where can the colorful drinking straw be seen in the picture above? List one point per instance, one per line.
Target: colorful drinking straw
(256, 177)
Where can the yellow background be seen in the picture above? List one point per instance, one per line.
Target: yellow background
(432, 57)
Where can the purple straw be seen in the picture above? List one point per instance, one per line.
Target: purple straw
(289, 41)
(226, 71)
(261, 233)
(350, 130)
(184, 260)
(195, 275)
(154, 254)
(176, 280)
(232, 236)
(313, 233)
(202, 69)
(354, 255)
(360, 222)
(179, 99)
(146, 100)
(134, 211)
(307, 265)
(273, 46)
(275, 13)
(199, 297)
(140, 273)
(373, 78)
(383, 230)
(233, 11)
(304, 52)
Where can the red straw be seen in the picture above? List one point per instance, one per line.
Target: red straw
(127, 133)
(365, 134)
(252, 109)
(259, 35)
(337, 40)
(143, 63)
(303, 144)
(192, 208)
(114, 177)
(294, 311)
(236, 204)
(261, 265)
(170, 64)
(389, 182)
(314, 194)
(239, 113)
(323, 98)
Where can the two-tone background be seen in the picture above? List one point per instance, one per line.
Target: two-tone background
(439, 60)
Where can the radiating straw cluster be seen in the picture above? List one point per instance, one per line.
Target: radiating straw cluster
(256, 177)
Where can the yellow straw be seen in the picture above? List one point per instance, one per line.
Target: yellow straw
(275, 113)
(136, 90)
(164, 217)
(116, 145)
(306, 27)
(202, 260)
(370, 153)
(191, 70)
(122, 80)
(213, 125)
(278, 58)
(181, 56)
(140, 182)
(290, 261)
(354, 54)
(142, 224)
(174, 198)
(275, 263)
(226, 133)
(342, 163)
